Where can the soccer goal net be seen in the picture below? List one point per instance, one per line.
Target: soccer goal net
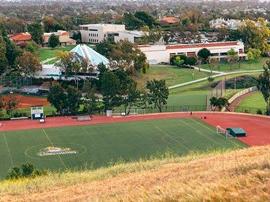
(224, 132)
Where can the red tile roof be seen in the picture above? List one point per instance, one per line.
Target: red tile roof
(203, 45)
(21, 37)
(169, 20)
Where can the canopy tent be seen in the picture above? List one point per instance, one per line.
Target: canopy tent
(92, 57)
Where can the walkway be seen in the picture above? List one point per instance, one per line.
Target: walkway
(214, 76)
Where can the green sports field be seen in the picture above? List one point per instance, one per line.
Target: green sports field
(102, 145)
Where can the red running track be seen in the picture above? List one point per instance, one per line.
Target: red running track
(257, 127)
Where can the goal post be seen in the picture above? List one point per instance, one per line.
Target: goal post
(224, 132)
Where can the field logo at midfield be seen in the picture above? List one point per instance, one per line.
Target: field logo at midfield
(50, 151)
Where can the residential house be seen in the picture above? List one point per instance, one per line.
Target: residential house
(21, 39)
(63, 38)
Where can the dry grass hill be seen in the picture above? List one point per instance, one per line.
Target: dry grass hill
(242, 175)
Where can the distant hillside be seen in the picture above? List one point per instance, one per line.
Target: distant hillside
(242, 175)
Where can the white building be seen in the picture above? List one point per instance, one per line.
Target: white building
(156, 54)
(222, 23)
(131, 36)
(95, 33)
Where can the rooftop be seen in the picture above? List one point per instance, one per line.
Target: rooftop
(203, 45)
(21, 37)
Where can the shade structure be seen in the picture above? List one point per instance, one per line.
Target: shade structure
(92, 57)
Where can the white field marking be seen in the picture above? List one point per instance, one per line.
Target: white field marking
(175, 140)
(61, 160)
(211, 130)
(200, 133)
(9, 153)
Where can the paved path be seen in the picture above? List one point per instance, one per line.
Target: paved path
(47, 60)
(214, 76)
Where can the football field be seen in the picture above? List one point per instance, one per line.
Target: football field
(93, 146)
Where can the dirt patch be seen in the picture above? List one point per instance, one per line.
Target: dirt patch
(28, 101)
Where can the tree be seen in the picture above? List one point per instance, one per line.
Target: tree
(29, 63)
(104, 48)
(178, 61)
(132, 22)
(3, 59)
(11, 103)
(253, 54)
(53, 41)
(264, 86)
(128, 92)
(213, 63)
(255, 34)
(73, 99)
(36, 32)
(12, 51)
(158, 93)
(204, 54)
(31, 46)
(110, 86)
(146, 18)
(128, 57)
(232, 57)
(57, 97)
(219, 103)
(72, 64)
(191, 61)
(90, 98)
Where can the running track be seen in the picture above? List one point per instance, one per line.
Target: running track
(257, 127)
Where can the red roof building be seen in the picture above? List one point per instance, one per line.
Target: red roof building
(162, 53)
(169, 20)
(20, 39)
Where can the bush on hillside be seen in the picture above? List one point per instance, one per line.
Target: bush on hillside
(240, 82)
(26, 170)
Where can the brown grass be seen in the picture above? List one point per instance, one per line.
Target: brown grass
(242, 175)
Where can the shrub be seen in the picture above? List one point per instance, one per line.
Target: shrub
(26, 170)
(191, 61)
(210, 79)
(259, 111)
(175, 60)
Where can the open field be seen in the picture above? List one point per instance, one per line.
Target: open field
(245, 65)
(102, 145)
(242, 175)
(46, 53)
(172, 75)
(252, 103)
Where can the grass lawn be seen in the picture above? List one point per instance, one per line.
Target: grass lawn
(252, 103)
(188, 98)
(171, 74)
(46, 53)
(245, 65)
(103, 145)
